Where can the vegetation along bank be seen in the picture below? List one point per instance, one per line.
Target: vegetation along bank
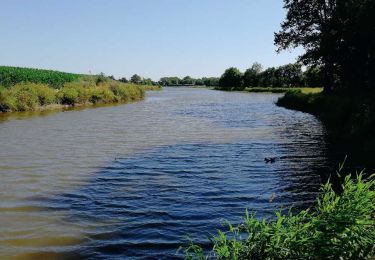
(25, 89)
(340, 226)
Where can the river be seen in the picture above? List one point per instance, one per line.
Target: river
(133, 180)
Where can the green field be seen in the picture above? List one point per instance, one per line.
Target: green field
(10, 76)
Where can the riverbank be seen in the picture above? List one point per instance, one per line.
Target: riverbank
(348, 118)
(36, 97)
(28, 89)
(282, 90)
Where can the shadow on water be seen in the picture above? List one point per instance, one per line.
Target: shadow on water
(143, 205)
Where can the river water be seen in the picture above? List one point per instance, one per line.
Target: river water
(132, 181)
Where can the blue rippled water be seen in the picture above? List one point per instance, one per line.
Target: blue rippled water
(157, 198)
(131, 182)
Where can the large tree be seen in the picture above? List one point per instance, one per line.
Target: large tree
(251, 75)
(231, 80)
(136, 79)
(309, 24)
(336, 34)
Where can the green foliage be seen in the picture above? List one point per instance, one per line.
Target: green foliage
(170, 81)
(188, 81)
(231, 80)
(251, 75)
(338, 35)
(101, 79)
(150, 87)
(69, 95)
(340, 226)
(282, 77)
(347, 117)
(313, 77)
(10, 76)
(284, 90)
(30, 96)
(136, 79)
(24, 97)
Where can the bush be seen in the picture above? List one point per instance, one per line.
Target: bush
(127, 92)
(101, 95)
(7, 101)
(26, 96)
(340, 226)
(69, 95)
(46, 95)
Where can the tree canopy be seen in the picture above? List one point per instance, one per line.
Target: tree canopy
(337, 35)
(231, 80)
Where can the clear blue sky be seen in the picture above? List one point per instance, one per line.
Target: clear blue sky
(153, 38)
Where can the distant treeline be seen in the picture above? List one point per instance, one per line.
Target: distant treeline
(286, 76)
(189, 81)
(136, 79)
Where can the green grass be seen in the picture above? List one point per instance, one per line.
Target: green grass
(10, 76)
(340, 226)
(284, 90)
(150, 87)
(31, 96)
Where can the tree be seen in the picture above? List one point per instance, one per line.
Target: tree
(267, 77)
(147, 81)
(136, 79)
(291, 75)
(170, 81)
(231, 80)
(124, 80)
(211, 82)
(251, 75)
(188, 81)
(309, 24)
(336, 34)
(199, 82)
(312, 77)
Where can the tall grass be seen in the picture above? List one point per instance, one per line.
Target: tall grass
(31, 96)
(340, 226)
(26, 96)
(151, 87)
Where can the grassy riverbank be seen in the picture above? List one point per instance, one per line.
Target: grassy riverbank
(340, 226)
(348, 117)
(24, 89)
(32, 96)
(283, 90)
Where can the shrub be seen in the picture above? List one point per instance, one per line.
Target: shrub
(127, 92)
(7, 101)
(101, 95)
(46, 95)
(26, 96)
(340, 226)
(69, 95)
